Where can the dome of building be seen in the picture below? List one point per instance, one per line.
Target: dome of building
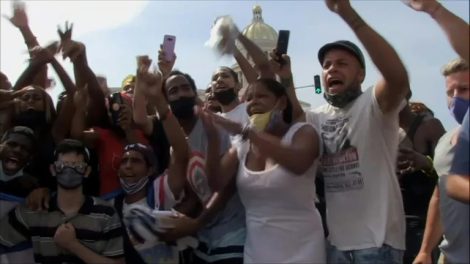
(259, 32)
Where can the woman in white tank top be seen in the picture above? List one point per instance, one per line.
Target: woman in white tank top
(275, 175)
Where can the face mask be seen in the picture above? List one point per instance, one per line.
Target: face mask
(225, 97)
(31, 118)
(266, 121)
(133, 187)
(69, 178)
(183, 108)
(5, 177)
(458, 108)
(342, 99)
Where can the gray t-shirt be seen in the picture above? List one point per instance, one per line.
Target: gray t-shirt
(454, 214)
(227, 229)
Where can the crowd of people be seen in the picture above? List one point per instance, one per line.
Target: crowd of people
(153, 174)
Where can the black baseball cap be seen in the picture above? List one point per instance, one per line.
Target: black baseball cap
(344, 45)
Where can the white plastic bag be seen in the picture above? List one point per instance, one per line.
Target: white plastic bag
(223, 36)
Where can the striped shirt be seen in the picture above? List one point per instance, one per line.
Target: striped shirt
(97, 226)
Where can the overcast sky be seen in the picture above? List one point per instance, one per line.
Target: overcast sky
(116, 31)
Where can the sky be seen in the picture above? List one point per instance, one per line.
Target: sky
(115, 32)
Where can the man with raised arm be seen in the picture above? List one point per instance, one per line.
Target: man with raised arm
(359, 133)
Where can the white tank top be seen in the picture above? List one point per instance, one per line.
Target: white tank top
(283, 224)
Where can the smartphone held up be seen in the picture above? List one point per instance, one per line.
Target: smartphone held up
(168, 47)
(115, 103)
(282, 44)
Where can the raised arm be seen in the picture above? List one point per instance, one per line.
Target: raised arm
(262, 64)
(78, 130)
(20, 21)
(140, 102)
(38, 61)
(76, 51)
(61, 126)
(284, 71)
(151, 85)
(393, 87)
(248, 71)
(454, 27)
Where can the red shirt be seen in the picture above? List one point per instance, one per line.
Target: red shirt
(110, 148)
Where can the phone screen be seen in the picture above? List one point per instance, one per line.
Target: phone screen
(115, 106)
(169, 47)
(282, 42)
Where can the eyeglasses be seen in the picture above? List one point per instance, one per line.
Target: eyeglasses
(80, 167)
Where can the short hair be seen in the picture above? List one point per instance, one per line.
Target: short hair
(72, 146)
(456, 65)
(185, 75)
(231, 71)
(420, 108)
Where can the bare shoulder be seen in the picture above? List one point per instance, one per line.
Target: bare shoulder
(305, 131)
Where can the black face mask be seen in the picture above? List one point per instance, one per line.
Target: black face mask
(342, 99)
(225, 97)
(69, 178)
(183, 108)
(30, 118)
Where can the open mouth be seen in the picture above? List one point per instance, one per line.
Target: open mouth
(11, 164)
(220, 86)
(334, 85)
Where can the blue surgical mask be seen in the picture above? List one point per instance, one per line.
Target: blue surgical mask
(133, 187)
(458, 108)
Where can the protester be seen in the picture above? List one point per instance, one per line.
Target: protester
(17, 148)
(445, 215)
(280, 155)
(417, 177)
(75, 233)
(223, 235)
(360, 180)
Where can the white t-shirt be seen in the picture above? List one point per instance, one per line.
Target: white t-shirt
(359, 150)
(239, 115)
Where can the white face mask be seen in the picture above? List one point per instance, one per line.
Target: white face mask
(133, 187)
